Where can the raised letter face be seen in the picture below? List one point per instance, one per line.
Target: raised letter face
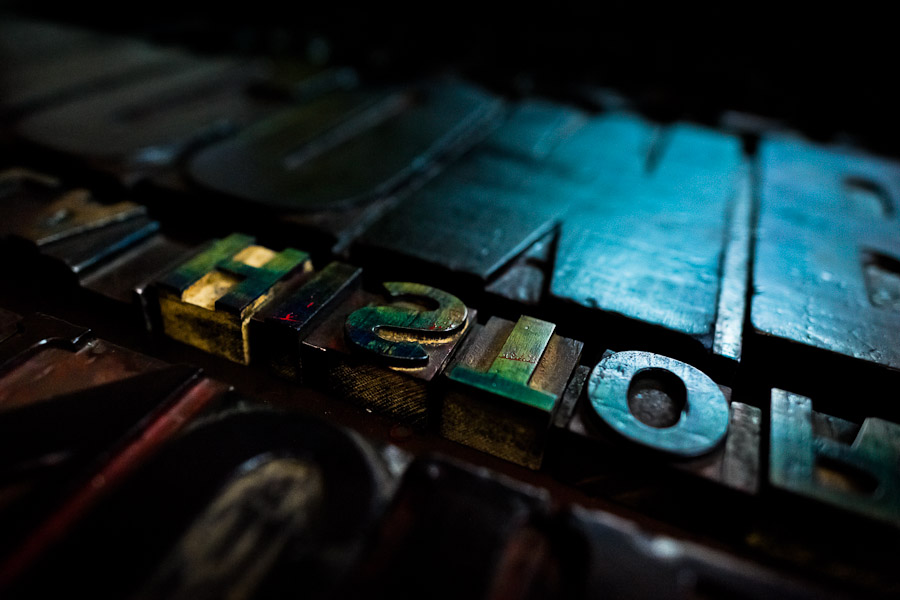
(395, 333)
(703, 421)
(827, 231)
(208, 301)
(511, 371)
(856, 470)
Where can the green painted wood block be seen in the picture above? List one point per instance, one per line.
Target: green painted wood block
(505, 386)
(510, 372)
(208, 301)
(383, 351)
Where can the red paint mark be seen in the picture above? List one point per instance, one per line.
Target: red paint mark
(289, 317)
(109, 476)
(310, 304)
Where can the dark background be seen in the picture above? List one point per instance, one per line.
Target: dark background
(829, 74)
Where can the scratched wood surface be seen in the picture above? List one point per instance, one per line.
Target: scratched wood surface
(484, 210)
(649, 240)
(826, 270)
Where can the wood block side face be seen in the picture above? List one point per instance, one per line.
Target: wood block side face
(381, 390)
(211, 331)
(505, 388)
(477, 421)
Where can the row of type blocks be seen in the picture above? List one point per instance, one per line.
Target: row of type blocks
(503, 383)
(419, 354)
(416, 353)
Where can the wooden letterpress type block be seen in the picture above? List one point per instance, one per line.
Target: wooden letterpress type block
(382, 352)
(306, 509)
(658, 241)
(72, 214)
(459, 228)
(505, 386)
(475, 218)
(827, 271)
(74, 231)
(54, 373)
(80, 253)
(93, 409)
(207, 302)
(144, 127)
(332, 166)
(852, 467)
(68, 400)
(654, 413)
(97, 415)
(110, 248)
(278, 330)
(41, 214)
(258, 164)
(621, 380)
(269, 505)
